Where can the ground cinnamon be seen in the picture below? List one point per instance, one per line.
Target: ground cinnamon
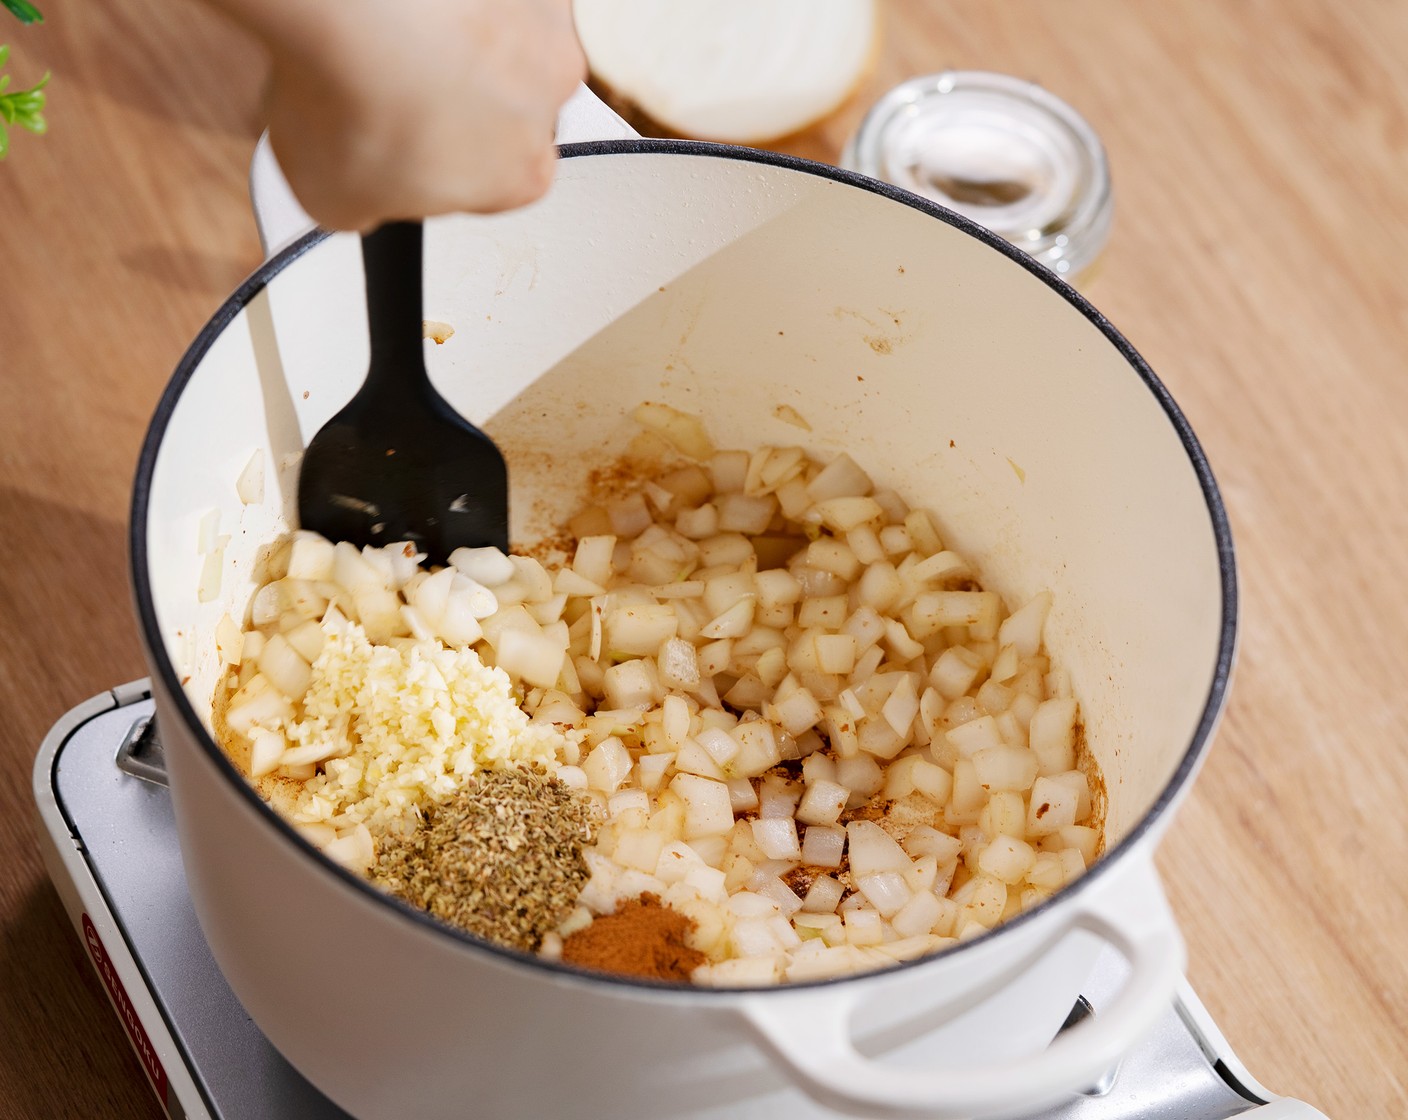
(642, 938)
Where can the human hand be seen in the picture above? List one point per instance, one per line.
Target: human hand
(380, 112)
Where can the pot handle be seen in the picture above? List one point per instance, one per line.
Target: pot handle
(586, 117)
(277, 214)
(812, 1036)
(282, 221)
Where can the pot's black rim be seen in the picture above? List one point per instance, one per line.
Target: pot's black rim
(1217, 513)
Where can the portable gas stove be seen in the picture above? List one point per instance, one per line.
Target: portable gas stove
(111, 848)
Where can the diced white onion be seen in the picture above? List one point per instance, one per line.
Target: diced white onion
(823, 846)
(777, 837)
(708, 811)
(266, 752)
(250, 484)
(873, 850)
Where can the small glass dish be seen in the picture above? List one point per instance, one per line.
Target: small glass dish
(1004, 152)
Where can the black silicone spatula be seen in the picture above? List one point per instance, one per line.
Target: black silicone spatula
(398, 463)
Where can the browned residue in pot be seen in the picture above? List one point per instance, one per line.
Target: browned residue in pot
(1095, 777)
(647, 456)
(800, 879)
(624, 475)
(281, 793)
(873, 810)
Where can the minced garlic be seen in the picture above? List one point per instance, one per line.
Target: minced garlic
(411, 721)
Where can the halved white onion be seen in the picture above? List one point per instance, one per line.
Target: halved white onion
(741, 71)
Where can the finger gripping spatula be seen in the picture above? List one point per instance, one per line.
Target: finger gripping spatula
(398, 463)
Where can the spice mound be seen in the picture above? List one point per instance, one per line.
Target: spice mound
(641, 938)
(501, 857)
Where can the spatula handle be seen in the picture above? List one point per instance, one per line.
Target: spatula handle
(391, 257)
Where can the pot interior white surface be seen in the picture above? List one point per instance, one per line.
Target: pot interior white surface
(947, 367)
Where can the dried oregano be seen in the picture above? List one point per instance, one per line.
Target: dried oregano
(500, 858)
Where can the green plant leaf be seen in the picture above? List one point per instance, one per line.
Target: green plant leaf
(24, 107)
(24, 11)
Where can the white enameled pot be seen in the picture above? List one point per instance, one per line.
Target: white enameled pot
(728, 283)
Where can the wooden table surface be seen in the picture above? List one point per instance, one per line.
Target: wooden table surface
(1258, 261)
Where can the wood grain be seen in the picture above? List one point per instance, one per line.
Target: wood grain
(1259, 152)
